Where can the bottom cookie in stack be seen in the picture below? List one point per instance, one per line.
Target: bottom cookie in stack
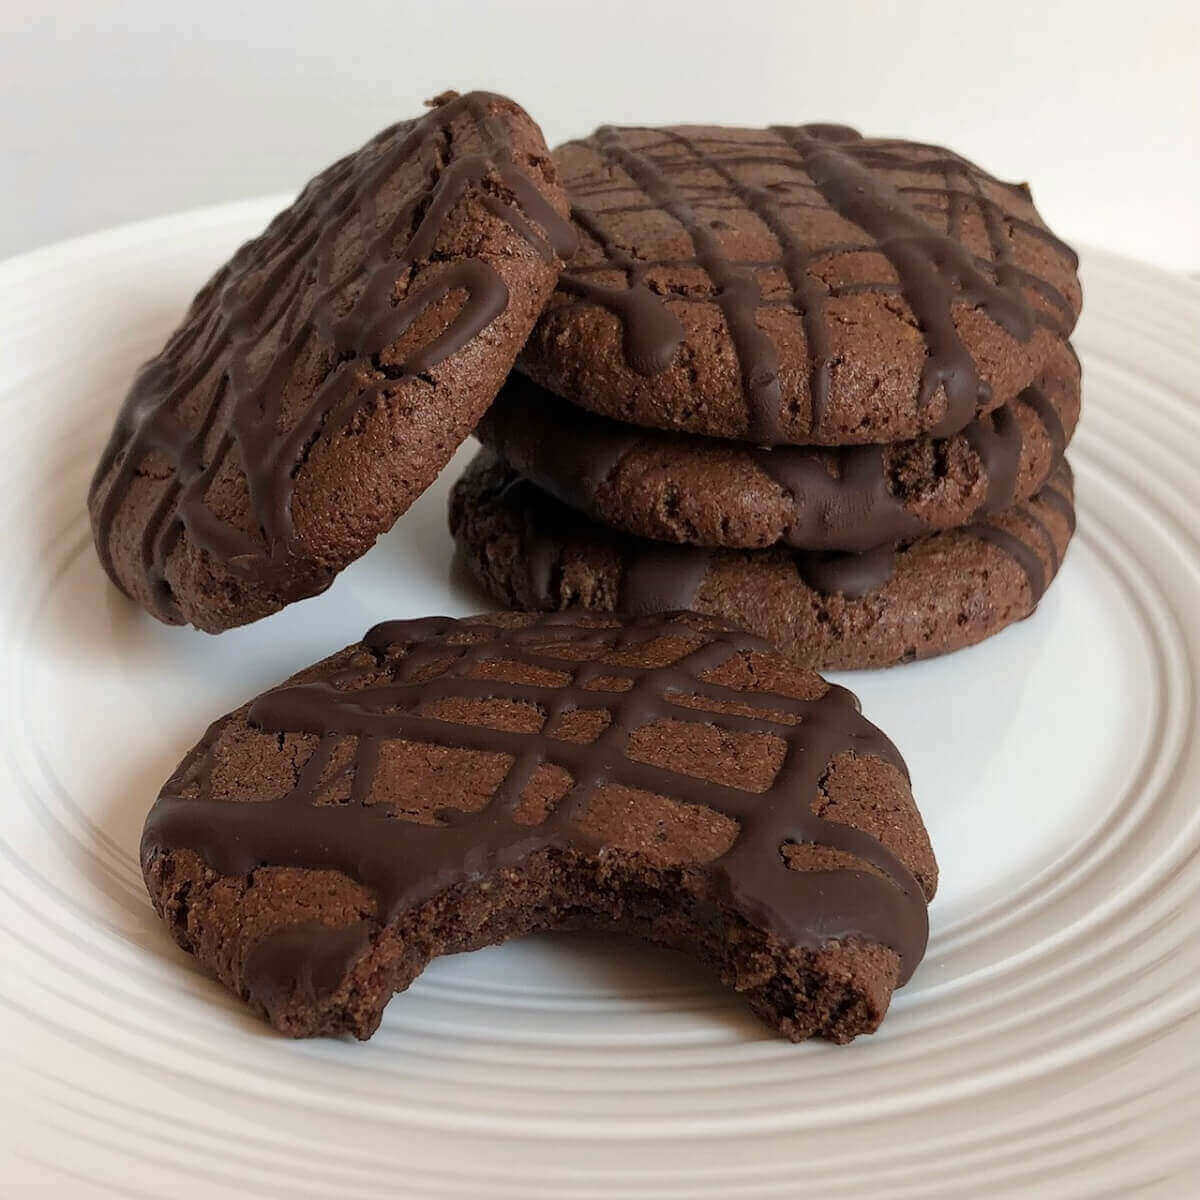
(832, 610)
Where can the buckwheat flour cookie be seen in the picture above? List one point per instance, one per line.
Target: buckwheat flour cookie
(323, 377)
(677, 487)
(797, 285)
(444, 785)
(825, 610)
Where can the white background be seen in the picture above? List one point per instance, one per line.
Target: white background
(111, 112)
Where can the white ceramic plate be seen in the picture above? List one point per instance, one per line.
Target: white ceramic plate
(1048, 1045)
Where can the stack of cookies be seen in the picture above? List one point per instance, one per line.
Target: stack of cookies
(790, 379)
(814, 383)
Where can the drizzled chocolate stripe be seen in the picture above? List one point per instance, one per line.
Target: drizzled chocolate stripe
(737, 290)
(404, 863)
(652, 332)
(935, 271)
(1025, 556)
(1020, 552)
(853, 509)
(232, 314)
(1048, 415)
(807, 296)
(1060, 503)
(996, 439)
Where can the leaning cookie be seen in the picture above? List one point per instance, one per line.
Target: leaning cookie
(825, 610)
(445, 784)
(324, 375)
(797, 285)
(676, 487)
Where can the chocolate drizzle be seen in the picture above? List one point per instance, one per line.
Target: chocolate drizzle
(283, 284)
(849, 575)
(996, 439)
(1036, 398)
(1025, 556)
(404, 864)
(737, 291)
(660, 577)
(652, 331)
(1060, 503)
(935, 270)
(851, 510)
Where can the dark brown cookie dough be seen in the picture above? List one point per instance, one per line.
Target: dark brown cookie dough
(676, 487)
(797, 285)
(824, 610)
(323, 377)
(444, 784)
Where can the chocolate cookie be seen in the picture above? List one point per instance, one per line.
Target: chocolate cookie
(444, 784)
(676, 487)
(825, 610)
(323, 377)
(797, 285)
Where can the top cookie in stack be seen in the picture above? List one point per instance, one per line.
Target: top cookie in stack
(887, 307)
